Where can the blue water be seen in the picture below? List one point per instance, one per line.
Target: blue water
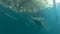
(16, 23)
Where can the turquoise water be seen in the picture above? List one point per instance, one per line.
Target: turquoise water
(14, 23)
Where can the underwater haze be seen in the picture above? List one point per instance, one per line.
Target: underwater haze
(22, 17)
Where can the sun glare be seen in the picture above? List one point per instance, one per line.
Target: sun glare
(57, 1)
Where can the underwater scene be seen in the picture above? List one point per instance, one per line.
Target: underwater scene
(29, 17)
